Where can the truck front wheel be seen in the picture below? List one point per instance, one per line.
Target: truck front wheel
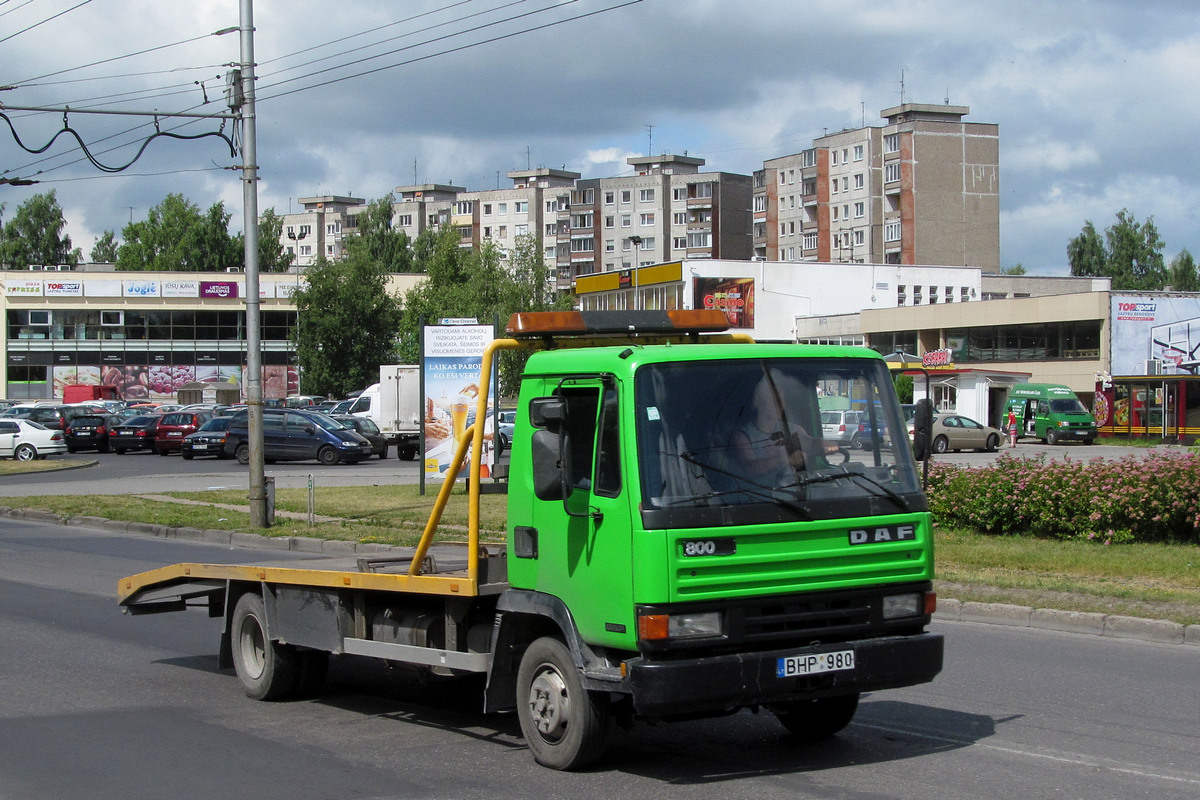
(266, 669)
(565, 725)
(814, 720)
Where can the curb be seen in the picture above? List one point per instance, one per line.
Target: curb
(1080, 622)
(63, 468)
(1110, 625)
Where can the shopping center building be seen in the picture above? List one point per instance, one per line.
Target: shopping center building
(148, 333)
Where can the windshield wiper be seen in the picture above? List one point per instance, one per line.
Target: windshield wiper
(755, 489)
(827, 477)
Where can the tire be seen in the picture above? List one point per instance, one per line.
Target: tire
(993, 443)
(383, 453)
(120, 451)
(266, 669)
(408, 453)
(503, 441)
(328, 456)
(242, 453)
(814, 720)
(941, 444)
(72, 448)
(186, 456)
(162, 451)
(25, 452)
(565, 726)
(1051, 436)
(856, 442)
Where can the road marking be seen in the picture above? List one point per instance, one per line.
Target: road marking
(1075, 759)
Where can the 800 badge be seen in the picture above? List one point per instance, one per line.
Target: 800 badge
(724, 546)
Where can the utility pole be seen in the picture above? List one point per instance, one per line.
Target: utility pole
(258, 494)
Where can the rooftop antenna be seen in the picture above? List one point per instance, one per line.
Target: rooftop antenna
(863, 105)
(528, 159)
(902, 70)
(414, 172)
(650, 141)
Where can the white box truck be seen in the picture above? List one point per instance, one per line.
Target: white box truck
(394, 404)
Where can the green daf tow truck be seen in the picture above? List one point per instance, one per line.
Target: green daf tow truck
(681, 543)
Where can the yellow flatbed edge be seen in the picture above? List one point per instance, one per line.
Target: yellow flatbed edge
(447, 583)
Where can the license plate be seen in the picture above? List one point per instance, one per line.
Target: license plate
(174, 433)
(199, 447)
(814, 663)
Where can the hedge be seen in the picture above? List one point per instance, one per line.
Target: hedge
(1155, 498)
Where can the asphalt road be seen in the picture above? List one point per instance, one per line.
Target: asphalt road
(100, 705)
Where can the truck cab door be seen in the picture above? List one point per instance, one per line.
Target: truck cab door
(583, 533)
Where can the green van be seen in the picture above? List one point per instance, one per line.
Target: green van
(1050, 412)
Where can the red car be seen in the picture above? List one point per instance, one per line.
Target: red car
(172, 427)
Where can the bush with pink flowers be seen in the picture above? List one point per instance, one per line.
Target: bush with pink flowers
(1155, 498)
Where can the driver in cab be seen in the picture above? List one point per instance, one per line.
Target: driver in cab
(768, 447)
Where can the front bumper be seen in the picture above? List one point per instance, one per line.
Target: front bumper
(709, 684)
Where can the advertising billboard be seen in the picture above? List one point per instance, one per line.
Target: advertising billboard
(734, 296)
(451, 361)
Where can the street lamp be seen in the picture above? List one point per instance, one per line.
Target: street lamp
(636, 242)
(297, 239)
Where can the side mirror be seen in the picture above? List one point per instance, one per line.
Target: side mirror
(922, 427)
(549, 413)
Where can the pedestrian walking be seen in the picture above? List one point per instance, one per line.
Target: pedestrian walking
(1012, 429)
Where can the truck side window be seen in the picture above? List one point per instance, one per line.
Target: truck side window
(582, 405)
(608, 454)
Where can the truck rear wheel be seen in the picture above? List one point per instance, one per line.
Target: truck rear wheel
(814, 720)
(266, 669)
(565, 725)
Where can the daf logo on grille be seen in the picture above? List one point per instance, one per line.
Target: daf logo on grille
(883, 533)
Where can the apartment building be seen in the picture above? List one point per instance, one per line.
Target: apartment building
(668, 209)
(318, 229)
(423, 207)
(921, 189)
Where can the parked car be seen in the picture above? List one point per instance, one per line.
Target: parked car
(208, 440)
(174, 425)
(89, 432)
(295, 434)
(506, 421)
(956, 432)
(839, 426)
(367, 429)
(135, 433)
(24, 440)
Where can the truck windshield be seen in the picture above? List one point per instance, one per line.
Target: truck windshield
(1067, 406)
(783, 438)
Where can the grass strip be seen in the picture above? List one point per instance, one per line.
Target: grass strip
(1157, 581)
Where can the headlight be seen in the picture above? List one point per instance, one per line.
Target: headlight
(679, 626)
(902, 605)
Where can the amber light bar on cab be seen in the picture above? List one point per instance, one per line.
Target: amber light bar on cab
(608, 323)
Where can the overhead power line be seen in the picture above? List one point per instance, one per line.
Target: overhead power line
(43, 22)
(448, 51)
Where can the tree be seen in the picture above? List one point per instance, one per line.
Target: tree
(1130, 253)
(377, 240)
(347, 325)
(1184, 277)
(104, 251)
(484, 285)
(1086, 253)
(37, 235)
(272, 255)
(1015, 269)
(175, 236)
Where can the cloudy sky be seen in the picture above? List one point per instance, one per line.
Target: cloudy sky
(1096, 99)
